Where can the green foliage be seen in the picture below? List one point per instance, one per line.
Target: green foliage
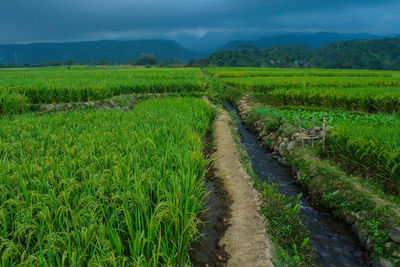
(103, 188)
(146, 59)
(284, 224)
(192, 62)
(215, 90)
(340, 192)
(69, 62)
(278, 56)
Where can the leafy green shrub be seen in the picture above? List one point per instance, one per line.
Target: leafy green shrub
(286, 228)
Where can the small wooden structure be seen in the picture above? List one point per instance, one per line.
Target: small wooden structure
(305, 136)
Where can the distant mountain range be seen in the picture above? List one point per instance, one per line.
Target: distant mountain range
(111, 51)
(125, 51)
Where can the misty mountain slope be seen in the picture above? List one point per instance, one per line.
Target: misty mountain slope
(311, 40)
(111, 51)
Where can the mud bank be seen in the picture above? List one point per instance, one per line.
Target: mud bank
(206, 251)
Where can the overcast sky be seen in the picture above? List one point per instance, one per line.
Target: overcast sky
(24, 21)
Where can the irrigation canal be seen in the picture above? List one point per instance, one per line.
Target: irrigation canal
(332, 239)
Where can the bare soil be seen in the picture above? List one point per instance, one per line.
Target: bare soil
(245, 240)
(206, 250)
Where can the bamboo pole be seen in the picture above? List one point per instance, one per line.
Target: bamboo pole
(313, 124)
(301, 132)
(323, 132)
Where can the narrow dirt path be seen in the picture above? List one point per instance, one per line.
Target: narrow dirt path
(246, 239)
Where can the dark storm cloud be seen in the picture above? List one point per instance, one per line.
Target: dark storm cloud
(60, 20)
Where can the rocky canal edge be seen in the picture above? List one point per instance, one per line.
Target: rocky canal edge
(373, 220)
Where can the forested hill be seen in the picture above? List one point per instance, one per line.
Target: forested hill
(355, 54)
(110, 51)
(311, 40)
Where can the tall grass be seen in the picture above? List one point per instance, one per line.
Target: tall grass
(226, 72)
(373, 148)
(12, 102)
(55, 86)
(103, 188)
(367, 99)
(299, 73)
(370, 91)
(266, 84)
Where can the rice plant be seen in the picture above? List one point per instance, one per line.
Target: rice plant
(232, 72)
(368, 142)
(266, 84)
(12, 102)
(374, 148)
(103, 188)
(369, 99)
(75, 85)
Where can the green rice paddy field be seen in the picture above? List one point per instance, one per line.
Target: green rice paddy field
(104, 187)
(363, 105)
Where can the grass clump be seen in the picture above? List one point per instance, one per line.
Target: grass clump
(268, 84)
(342, 193)
(371, 99)
(376, 153)
(286, 228)
(12, 102)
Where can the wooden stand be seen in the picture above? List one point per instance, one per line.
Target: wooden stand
(304, 136)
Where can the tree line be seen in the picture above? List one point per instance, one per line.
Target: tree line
(145, 59)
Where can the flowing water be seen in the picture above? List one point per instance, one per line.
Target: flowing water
(332, 239)
(205, 247)
(205, 251)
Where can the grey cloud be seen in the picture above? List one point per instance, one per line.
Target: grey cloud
(63, 20)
